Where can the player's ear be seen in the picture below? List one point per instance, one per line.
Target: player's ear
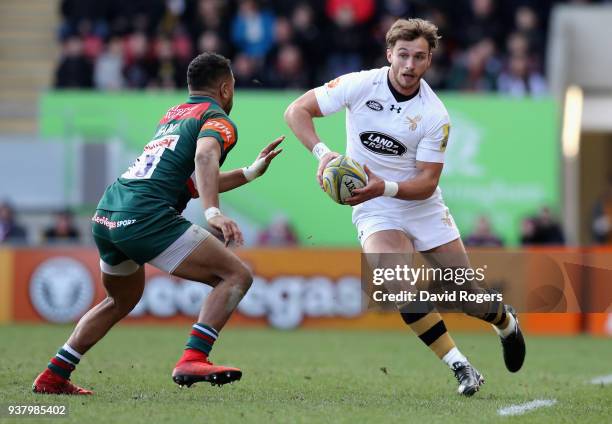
(389, 55)
(225, 90)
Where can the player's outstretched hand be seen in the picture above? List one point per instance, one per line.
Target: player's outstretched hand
(260, 166)
(325, 159)
(268, 153)
(229, 228)
(374, 188)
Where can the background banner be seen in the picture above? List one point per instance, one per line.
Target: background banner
(6, 285)
(291, 289)
(491, 141)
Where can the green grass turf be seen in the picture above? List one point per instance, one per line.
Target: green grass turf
(308, 376)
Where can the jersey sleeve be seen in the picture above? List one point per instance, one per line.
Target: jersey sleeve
(221, 128)
(338, 93)
(432, 146)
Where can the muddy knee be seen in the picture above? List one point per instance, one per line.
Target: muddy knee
(239, 283)
(242, 278)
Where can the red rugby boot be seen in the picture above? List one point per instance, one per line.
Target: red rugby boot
(50, 383)
(188, 372)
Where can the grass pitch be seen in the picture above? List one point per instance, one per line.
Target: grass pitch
(308, 376)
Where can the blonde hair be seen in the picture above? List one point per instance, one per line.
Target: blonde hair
(411, 29)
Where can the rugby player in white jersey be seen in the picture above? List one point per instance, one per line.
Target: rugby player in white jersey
(399, 128)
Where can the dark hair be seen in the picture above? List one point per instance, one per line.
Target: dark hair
(206, 69)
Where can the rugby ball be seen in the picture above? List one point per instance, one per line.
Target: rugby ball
(341, 176)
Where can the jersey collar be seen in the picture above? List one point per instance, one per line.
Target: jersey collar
(201, 99)
(399, 97)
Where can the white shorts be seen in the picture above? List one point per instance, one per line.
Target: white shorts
(428, 225)
(175, 254)
(169, 259)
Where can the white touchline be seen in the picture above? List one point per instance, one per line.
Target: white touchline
(604, 379)
(525, 407)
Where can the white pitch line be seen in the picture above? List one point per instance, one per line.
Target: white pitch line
(521, 408)
(604, 379)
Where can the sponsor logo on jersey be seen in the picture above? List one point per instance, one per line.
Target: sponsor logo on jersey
(413, 122)
(396, 108)
(374, 105)
(168, 142)
(61, 289)
(145, 164)
(223, 127)
(382, 144)
(184, 111)
(446, 132)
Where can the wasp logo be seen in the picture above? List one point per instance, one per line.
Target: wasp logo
(447, 219)
(414, 122)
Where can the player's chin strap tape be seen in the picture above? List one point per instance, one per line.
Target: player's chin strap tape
(320, 150)
(256, 169)
(391, 189)
(211, 212)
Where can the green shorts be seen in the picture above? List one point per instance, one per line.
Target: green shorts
(121, 236)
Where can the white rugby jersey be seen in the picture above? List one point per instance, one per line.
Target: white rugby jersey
(384, 132)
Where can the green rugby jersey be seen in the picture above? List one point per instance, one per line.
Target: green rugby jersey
(163, 175)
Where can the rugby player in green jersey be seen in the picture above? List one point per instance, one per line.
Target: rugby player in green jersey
(138, 221)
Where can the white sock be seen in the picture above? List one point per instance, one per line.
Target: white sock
(453, 355)
(505, 332)
(71, 351)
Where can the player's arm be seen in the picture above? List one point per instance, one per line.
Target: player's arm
(420, 187)
(299, 116)
(208, 153)
(233, 179)
(423, 185)
(230, 180)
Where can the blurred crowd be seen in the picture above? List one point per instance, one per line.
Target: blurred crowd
(540, 229)
(62, 228)
(543, 228)
(487, 45)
